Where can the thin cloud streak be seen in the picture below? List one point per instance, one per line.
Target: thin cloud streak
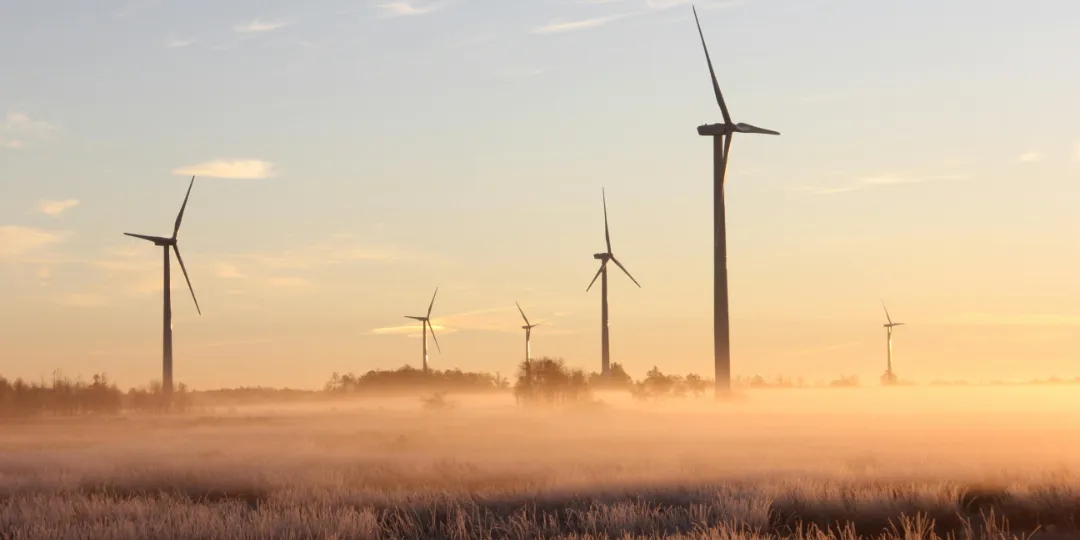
(174, 43)
(393, 10)
(238, 169)
(884, 179)
(1031, 157)
(16, 240)
(259, 25)
(55, 208)
(559, 26)
(18, 130)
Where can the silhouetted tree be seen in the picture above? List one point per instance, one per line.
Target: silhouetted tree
(549, 381)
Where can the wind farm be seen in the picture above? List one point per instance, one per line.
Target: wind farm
(348, 155)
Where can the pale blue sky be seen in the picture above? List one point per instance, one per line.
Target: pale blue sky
(930, 155)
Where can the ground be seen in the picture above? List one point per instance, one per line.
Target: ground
(772, 463)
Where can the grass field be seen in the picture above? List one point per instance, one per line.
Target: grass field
(903, 462)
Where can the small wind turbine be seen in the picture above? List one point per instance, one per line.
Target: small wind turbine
(889, 377)
(425, 323)
(605, 351)
(528, 333)
(721, 134)
(165, 243)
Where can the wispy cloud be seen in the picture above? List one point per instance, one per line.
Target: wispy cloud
(884, 179)
(320, 255)
(79, 300)
(175, 43)
(229, 271)
(55, 208)
(559, 26)
(259, 25)
(1019, 319)
(18, 131)
(391, 10)
(1031, 157)
(241, 169)
(16, 240)
(700, 4)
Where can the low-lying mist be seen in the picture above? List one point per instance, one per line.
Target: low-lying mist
(491, 459)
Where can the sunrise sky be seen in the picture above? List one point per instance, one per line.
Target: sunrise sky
(351, 156)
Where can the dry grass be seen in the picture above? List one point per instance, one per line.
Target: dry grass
(820, 465)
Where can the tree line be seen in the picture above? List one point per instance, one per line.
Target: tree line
(62, 396)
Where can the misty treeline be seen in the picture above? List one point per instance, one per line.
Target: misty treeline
(62, 396)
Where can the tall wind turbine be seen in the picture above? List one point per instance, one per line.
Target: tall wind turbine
(605, 351)
(721, 134)
(166, 243)
(425, 323)
(528, 333)
(889, 377)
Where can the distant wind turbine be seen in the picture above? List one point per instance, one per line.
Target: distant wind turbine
(889, 377)
(167, 352)
(528, 333)
(722, 135)
(605, 351)
(425, 323)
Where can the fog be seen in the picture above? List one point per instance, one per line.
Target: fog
(947, 433)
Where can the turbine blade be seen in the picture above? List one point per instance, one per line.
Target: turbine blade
(190, 288)
(607, 234)
(432, 328)
(432, 304)
(602, 265)
(727, 150)
(180, 216)
(747, 128)
(625, 271)
(898, 324)
(522, 312)
(712, 73)
(887, 317)
(414, 318)
(154, 239)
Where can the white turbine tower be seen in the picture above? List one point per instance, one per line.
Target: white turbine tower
(425, 323)
(889, 377)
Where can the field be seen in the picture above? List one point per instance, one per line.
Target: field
(897, 462)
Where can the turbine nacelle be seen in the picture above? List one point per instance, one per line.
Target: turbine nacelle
(602, 256)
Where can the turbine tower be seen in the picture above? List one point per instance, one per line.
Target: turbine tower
(528, 334)
(889, 377)
(425, 323)
(605, 351)
(721, 134)
(166, 243)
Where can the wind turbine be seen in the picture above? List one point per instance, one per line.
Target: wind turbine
(889, 377)
(528, 333)
(425, 323)
(605, 351)
(165, 243)
(722, 135)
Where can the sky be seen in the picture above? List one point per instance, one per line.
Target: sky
(352, 156)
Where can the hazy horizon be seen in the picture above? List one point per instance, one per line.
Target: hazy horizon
(379, 152)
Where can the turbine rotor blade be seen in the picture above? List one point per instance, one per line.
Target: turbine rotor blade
(712, 73)
(607, 234)
(887, 317)
(602, 265)
(747, 128)
(180, 216)
(625, 271)
(415, 318)
(432, 328)
(432, 304)
(154, 239)
(522, 312)
(190, 288)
